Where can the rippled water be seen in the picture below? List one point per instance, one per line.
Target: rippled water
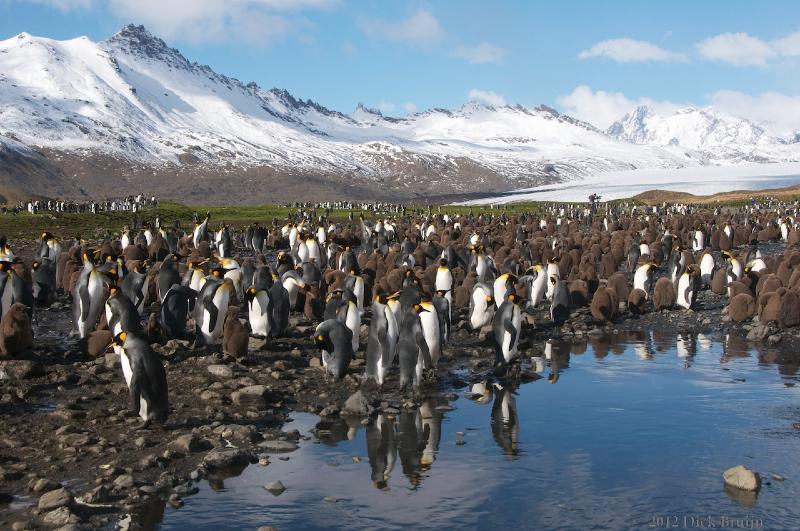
(633, 429)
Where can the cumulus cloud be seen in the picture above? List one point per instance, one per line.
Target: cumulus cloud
(788, 46)
(486, 96)
(65, 5)
(385, 107)
(779, 113)
(201, 21)
(601, 108)
(626, 50)
(421, 29)
(739, 49)
(481, 54)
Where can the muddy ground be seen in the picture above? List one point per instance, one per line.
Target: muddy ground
(72, 454)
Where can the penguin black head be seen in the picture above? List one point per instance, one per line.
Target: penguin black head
(553, 279)
(441, 292)
(251, 293)
(443, 262)
(4, 266)
(512, 297)
(489, 300)
(319, 340)
(218, 272)
(35, 265)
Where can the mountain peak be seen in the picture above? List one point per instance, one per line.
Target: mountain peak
(138, 40)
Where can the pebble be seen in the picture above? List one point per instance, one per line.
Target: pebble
(220, 371)
(54, 499)
(275, 488)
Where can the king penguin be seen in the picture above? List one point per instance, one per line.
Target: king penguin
(145, 376)
(335, 341)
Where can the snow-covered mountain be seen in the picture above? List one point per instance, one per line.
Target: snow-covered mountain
(713, 136)
(130, 111)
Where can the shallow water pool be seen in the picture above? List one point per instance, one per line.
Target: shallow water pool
(621, 432)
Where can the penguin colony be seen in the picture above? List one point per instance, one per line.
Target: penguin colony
(410, 279)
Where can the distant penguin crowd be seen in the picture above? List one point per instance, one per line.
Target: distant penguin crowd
(393, 287)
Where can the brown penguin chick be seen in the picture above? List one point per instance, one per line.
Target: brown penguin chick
(204, 249)
(736, 287)
(235, 337)
(742, 307)
(15, 331)
(604, 304)
(579, 292)
(461, 297)
(313, 308)
(789, 314)
(793, 238)
(664, 294)
(158, 249)
(97, 343)
(767, 284)
(637, 299)
(719, 282)
(620, 285)
(153, 329)
(134, 252)
(769, 305)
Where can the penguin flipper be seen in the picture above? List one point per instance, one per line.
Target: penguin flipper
(135, 391)
(83, 293)
(427, 362)
(213, 313)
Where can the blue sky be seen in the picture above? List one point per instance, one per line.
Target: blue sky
(593, 59)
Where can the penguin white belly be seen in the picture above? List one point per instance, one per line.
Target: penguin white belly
(220, 300)
(706, 266)
(259, 321)
(126, 241)
(313, 250)
(644, 249)
(684, 296)
(478, 317)
(430, 330)
(236, 276)
(291, 288)
(444, 279)
(325, 357)
(197, 280)
(302, 252)
(509, 349)
(358, 291)
(353, 322)
(481, 267)
(499, 290)
(538, 288)
(95, 300)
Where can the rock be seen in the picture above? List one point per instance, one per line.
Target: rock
(226, 457)
(278, 446)
(21, 369)
(778, 477)
(125, 481)
(774, 339)
(250, 395)
(45, 485)
(758, 333)
(329, 411)
(189, 444)
(98, 495)
(357, 404)
(275, 488)
(61, 516)
(266, 528)
(220, 371)
(112, 361)
(315, 362)
(55, 499)
(743, 478)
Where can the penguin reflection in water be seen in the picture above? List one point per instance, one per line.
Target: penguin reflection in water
(505, 419)
(145, 376)
(418, 437)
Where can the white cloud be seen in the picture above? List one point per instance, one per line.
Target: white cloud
(410, 107)
(65, 5)
(481, 54)
(788, 46)
(421, 29)
(385, 107)
(486, 96)
(778, 113)
(601, 108)
(630, 51)
(739, 49)
(199, 21)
